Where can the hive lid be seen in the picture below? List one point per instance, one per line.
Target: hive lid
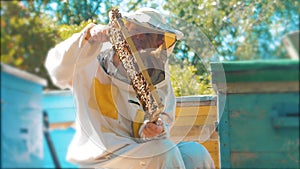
(23, 74)
(255, 71)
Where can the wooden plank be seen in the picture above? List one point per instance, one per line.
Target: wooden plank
(265, 159)
(216, 158)
(224, 132)
(196, 104)
(192, 131)
(196, 111)
(190, 119)
(211, 145)
(195, 120)
(255, 65)
(184, 130)
(256, 121)
(196, 98)
(258, 87)
(283, 75)
(64, 125)
(188, 137)
(256, 71)
(213, 149)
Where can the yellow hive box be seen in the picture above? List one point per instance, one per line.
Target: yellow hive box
(196, 119)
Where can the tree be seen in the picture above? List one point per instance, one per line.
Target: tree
(73, 12)
(228, 30)
(25, 39)
(239, 30)
(185, 80)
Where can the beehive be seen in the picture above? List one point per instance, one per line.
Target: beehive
(196, 119)
(21, 119)
(259, 113)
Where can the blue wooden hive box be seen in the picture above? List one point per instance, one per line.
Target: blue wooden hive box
(258, 107)
(21, 119)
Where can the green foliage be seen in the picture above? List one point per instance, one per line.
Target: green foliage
(239, 30)
(186, 82)
(65, 31)
(76, 11)
(228, 30)
(73, 12)
(25, 38)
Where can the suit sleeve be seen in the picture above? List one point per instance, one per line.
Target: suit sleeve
(168, 116)
(65, 57)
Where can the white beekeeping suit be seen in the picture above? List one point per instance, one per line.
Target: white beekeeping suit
(108, 111)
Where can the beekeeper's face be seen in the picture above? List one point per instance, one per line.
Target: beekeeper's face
(145, 38)
(152, 46)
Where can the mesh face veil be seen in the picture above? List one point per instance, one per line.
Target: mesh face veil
(154, 41)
